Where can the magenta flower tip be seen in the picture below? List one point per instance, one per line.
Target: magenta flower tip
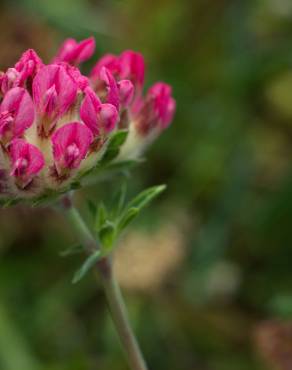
(74, 52)
(98, 117)
(70, 144)
(16, 113)
(129, 65)
(126, 92)
(54, 90)
(27, 160)
(163, 103)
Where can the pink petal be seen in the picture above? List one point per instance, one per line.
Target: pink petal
(132, 67)
(27, 159)
(70, 144)
(163, 103)
(9, 79)
(73, 52)
(27, 66)
(66, 51)
(113, 92)
(126, 92)
(129, 65)
(169, 114)
(29, 61)
(18, 102)
(65, 87)
(109, 61)
(81, 81)
(97, 117)
(85, 49)
(89, 109)
(108, 117)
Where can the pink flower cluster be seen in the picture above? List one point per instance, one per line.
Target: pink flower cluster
(55, 122)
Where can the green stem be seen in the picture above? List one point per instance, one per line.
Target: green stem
(112, 291)
(120, 318)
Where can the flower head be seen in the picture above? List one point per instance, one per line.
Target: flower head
(26, 161)
(56, 123)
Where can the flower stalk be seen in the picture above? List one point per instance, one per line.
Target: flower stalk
(111, 288)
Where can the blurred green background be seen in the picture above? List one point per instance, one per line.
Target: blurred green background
(206, 270)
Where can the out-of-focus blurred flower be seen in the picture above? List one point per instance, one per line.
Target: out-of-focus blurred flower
(274, 342)
(55, 123)
(142, 266)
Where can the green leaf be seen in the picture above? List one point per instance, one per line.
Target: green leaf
(117, 139)
(146, 196)
(74, 249)
(115, 142)
(101, 217)
(127, 218)
(92, 208)
(136, 205)
(10, 203)
(86, 266)
(122, 166)
(107, 235)
(75, 185)
(118, 202)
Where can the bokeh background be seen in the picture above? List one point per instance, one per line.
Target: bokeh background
(207, 269)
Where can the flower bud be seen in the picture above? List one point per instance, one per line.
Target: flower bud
(70, 145)
(81, 81)
(132, 67)
(16, 114)
(8, 80)
(111, 93)
(74, 52)
(129, 65)
(163, 103)
(126, 92)
(54, 92)
(99, 118)
(150, 116)
(27, 66)
(27, 161)
(110, 61)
